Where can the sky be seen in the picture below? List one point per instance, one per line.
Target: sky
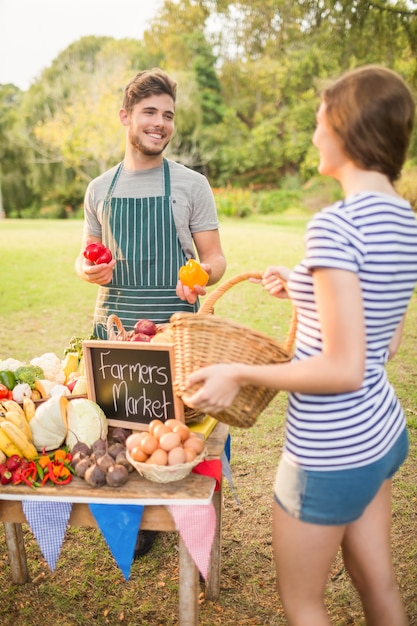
(34, 32)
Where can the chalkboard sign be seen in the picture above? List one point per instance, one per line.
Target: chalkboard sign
(132, 382)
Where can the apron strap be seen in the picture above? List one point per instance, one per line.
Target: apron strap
(109, 194)
(166, 178)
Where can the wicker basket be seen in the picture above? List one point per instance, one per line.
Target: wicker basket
(202, 339)
(165, 473)
(117, 332)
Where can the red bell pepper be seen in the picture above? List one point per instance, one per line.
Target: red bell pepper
(4, 392)
(97, 253)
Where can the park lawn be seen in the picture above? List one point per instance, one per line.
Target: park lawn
(43, 304)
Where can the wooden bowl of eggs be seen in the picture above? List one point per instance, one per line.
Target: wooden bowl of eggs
(166, 452)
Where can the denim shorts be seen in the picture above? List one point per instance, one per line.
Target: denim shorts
(334, 497)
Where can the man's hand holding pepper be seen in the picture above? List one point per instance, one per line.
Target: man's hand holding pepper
(95, 263)
(187, 288)
(100, 274)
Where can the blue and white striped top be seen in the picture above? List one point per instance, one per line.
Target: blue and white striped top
(375, 236)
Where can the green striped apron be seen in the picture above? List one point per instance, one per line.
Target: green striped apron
(142, 237)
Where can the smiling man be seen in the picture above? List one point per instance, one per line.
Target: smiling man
(153, 214)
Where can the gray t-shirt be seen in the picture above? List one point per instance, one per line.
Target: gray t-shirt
(193, 204)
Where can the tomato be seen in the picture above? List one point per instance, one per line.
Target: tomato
(4, 392)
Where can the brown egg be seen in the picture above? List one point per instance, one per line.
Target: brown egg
(195, 443)
(159, 457)
(134, 439)
(169, 440)
(138, 454)
(153, 424)
(172, 422)
(190, 454)
(182, 430)
(159, 430)
(148, 444)
(176, 456)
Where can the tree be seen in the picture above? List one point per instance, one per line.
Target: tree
(249, 74)
(14, 166)
(68, 123)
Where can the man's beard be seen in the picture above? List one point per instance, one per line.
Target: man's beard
(143, 149)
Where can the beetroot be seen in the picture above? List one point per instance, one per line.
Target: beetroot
(117, 476)
(95, 476)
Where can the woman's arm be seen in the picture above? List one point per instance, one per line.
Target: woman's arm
(339, 368)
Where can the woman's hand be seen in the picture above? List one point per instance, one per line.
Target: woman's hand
(273, 280)
(220, 386)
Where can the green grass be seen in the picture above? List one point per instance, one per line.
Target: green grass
(42, 305)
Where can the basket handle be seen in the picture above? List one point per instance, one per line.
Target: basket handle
(208, 305)
(112, 335)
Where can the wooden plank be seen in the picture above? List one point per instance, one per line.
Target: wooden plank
(217, 440)
(194, 489)
(16, 552)
(188, 587)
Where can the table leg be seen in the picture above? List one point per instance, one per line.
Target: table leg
(17, 554)
(188, 587)
(212, 587)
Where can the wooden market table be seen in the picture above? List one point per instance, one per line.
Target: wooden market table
(156, 497)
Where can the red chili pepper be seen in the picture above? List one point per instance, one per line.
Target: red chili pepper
(54, 477)
(17, 476)
(29, 474)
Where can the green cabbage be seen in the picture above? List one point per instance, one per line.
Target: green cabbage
(86, 422)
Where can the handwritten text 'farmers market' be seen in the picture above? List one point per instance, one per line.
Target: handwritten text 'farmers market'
(153, 377)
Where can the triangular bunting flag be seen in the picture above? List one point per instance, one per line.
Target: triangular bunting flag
(227, 473)
(48, 522)
(211, 468)
(228, 447)
(196, 525)
(119, 525)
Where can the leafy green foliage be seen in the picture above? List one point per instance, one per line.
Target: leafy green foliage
(249, 77)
